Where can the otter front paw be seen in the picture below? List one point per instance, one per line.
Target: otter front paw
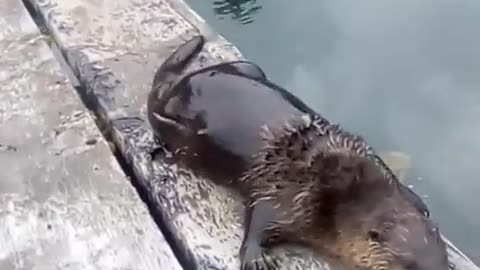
(255, 257)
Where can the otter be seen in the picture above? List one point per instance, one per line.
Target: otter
(343, 200)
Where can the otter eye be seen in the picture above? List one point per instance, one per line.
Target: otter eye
(374, 235)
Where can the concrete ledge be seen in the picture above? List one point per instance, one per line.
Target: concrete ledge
(65, 203)
(114, 49)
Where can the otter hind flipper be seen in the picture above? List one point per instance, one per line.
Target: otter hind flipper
(164, 81)
(178, 61)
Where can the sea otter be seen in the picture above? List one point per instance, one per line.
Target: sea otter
(306, 180)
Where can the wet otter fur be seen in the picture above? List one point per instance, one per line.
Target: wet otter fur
(310, 183)
(317, 185)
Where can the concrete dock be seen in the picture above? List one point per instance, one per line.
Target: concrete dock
(78, 189)
(65, 201)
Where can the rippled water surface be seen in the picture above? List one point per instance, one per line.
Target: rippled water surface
(405, 74)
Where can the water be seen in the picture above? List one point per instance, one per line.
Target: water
(405, 74)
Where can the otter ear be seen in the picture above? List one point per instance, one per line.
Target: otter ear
(374, 235)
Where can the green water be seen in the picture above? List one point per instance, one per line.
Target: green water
(404, 74)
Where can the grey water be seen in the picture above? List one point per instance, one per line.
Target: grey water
(404, 74)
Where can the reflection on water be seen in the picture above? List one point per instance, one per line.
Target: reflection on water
(405, 74)
(241, 10)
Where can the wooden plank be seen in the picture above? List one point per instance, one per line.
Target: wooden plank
(114, 49)
(65, 203)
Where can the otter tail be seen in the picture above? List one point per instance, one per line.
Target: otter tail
(178, 61)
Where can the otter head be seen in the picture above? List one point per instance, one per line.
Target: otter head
(396, 238)
(409, 243)
(380, 228)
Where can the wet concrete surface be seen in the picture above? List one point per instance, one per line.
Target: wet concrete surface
(113, 48)
(65, 203)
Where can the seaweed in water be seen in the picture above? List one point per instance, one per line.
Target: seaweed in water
(240, 10)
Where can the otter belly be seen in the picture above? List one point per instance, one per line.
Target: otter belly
(215, 115)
